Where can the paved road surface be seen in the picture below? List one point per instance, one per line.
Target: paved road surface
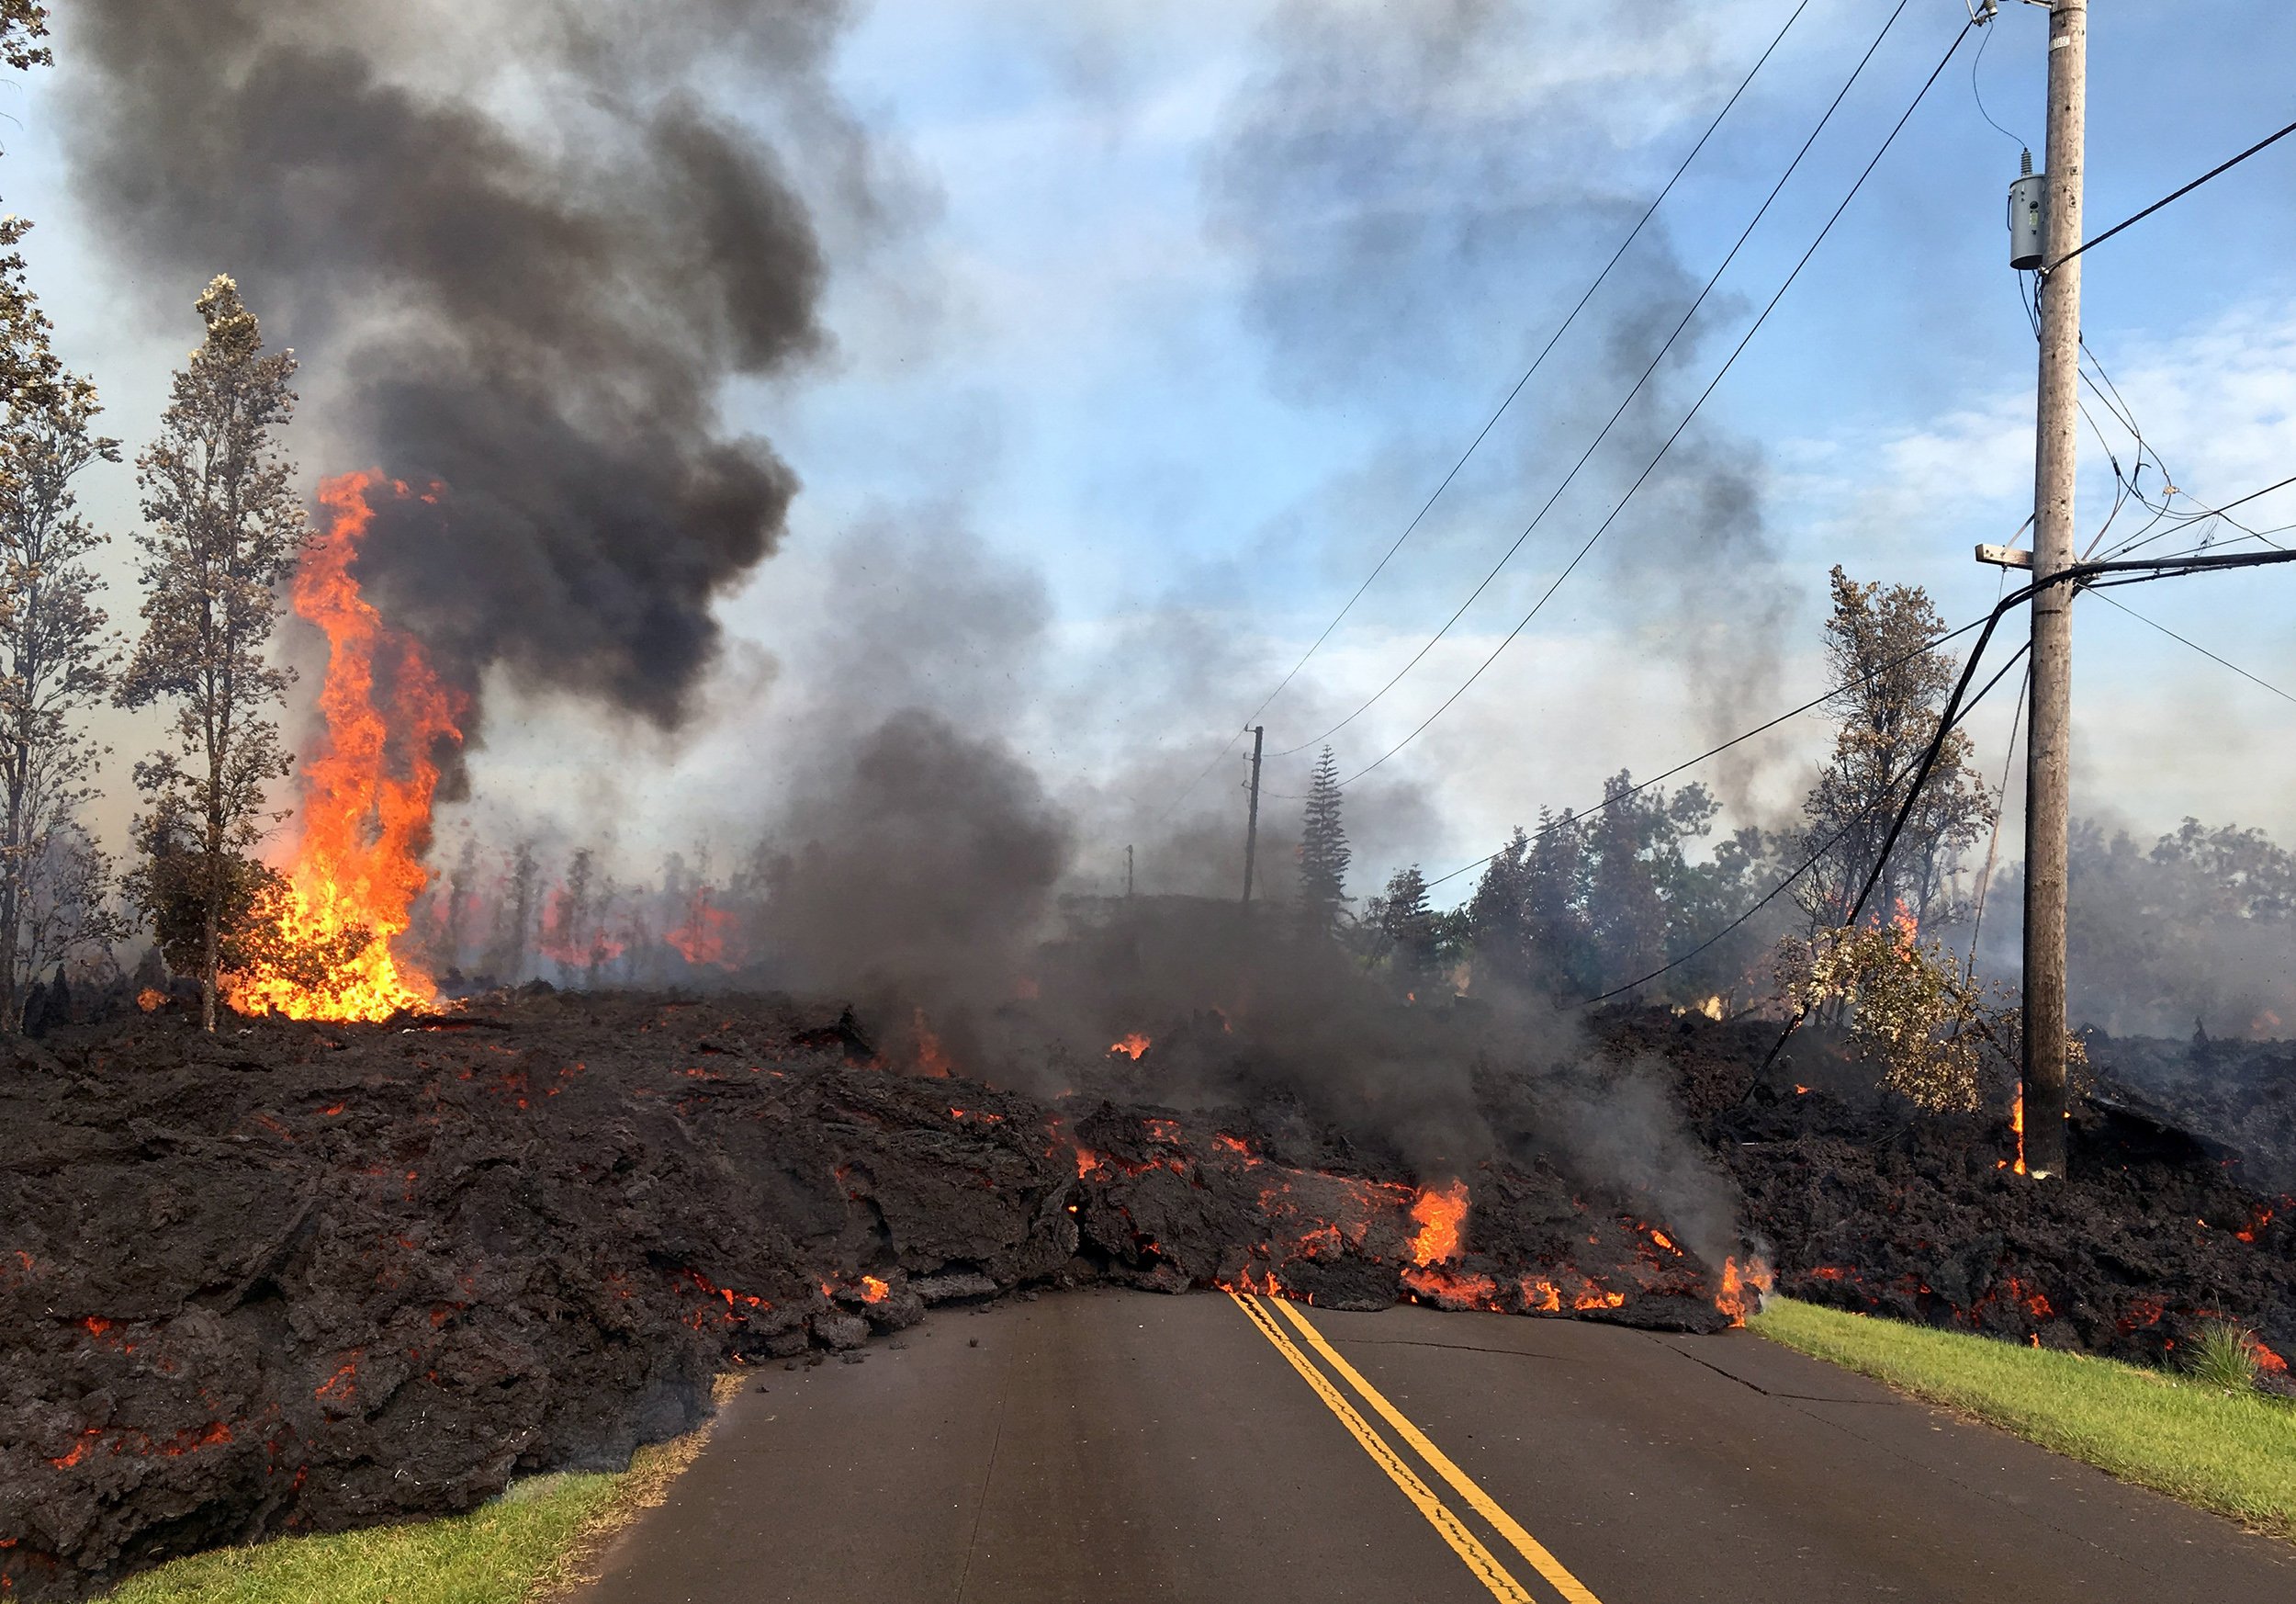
(1114, 1446)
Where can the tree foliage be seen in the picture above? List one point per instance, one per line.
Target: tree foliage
(1893, 693)
(1585, 905)
(1911, 1007)
(23, 24)
(226, 529)
(55, 664)
(1411, 934)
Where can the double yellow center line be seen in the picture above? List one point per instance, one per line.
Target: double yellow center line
(1472, 1550)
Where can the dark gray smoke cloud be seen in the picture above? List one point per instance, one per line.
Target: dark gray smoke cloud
(521, 257)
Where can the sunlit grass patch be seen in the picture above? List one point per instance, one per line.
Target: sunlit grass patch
(2233, 1451)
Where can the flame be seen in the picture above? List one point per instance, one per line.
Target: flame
(1440, 1212)
(931, 1058)
(1904, 928)
(1132, 1046)
(1744, 1288)
(367, 791)
(702, 938)
(2016, 1127)
(151, 1001)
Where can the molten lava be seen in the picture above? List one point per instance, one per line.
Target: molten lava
(1744, 1288)
(1132, 1046)
(1440, 1212)
(365, 822)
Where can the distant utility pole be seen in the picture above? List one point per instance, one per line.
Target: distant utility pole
(2049, 745)
(1252, 824)
(1128, 872)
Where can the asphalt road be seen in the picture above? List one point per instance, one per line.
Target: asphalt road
(1111, 1446)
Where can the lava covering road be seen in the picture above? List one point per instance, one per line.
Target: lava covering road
(300, 1277)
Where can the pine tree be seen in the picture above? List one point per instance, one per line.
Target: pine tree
(1556, 878)
(1498, 915)
(227, 528)
(1323, 853)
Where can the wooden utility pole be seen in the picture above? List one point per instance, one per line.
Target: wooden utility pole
(1252, 823)
(2048, 758)
(1128, 872)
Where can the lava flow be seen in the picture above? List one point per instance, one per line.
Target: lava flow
(364, 820)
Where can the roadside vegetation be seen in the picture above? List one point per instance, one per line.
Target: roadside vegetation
(529, 1546)
(2207, 1436)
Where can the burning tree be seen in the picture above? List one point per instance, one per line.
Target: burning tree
(1893, 690)
(227, 528)
(56, 664)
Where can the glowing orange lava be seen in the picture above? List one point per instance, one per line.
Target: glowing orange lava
(1743, 1287)
(2017, 1126)
(364, 820)
(1440, 1212)
(1132, 1046)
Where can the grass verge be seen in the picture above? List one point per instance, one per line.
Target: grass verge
(2232, 1453)
(535, 1543)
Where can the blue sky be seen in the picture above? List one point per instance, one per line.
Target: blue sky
(1169, 318)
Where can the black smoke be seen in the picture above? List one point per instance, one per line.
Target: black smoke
(522, 255)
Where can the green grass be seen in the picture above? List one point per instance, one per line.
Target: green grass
(529, 1546)
(492, 1556)
(2235, 1453)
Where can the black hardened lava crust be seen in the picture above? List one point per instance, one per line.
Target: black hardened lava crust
(1865, 1205)
(304, 1277)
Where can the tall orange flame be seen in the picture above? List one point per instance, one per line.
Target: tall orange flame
(365, 820)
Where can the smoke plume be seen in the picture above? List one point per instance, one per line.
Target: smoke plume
(522, 255)
(1418, 195)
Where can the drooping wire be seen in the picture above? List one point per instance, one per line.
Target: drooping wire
(1636, 389)
(1731, 361)
(1978, 95)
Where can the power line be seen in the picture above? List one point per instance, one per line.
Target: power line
(1978, 95)
(1814, 859)
(1569, 568)
(1636, 389)
(1817, 701)
(1632, 235)
(1563, 328)
(2087, 576)
(2203, 651)
(2176, 195)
